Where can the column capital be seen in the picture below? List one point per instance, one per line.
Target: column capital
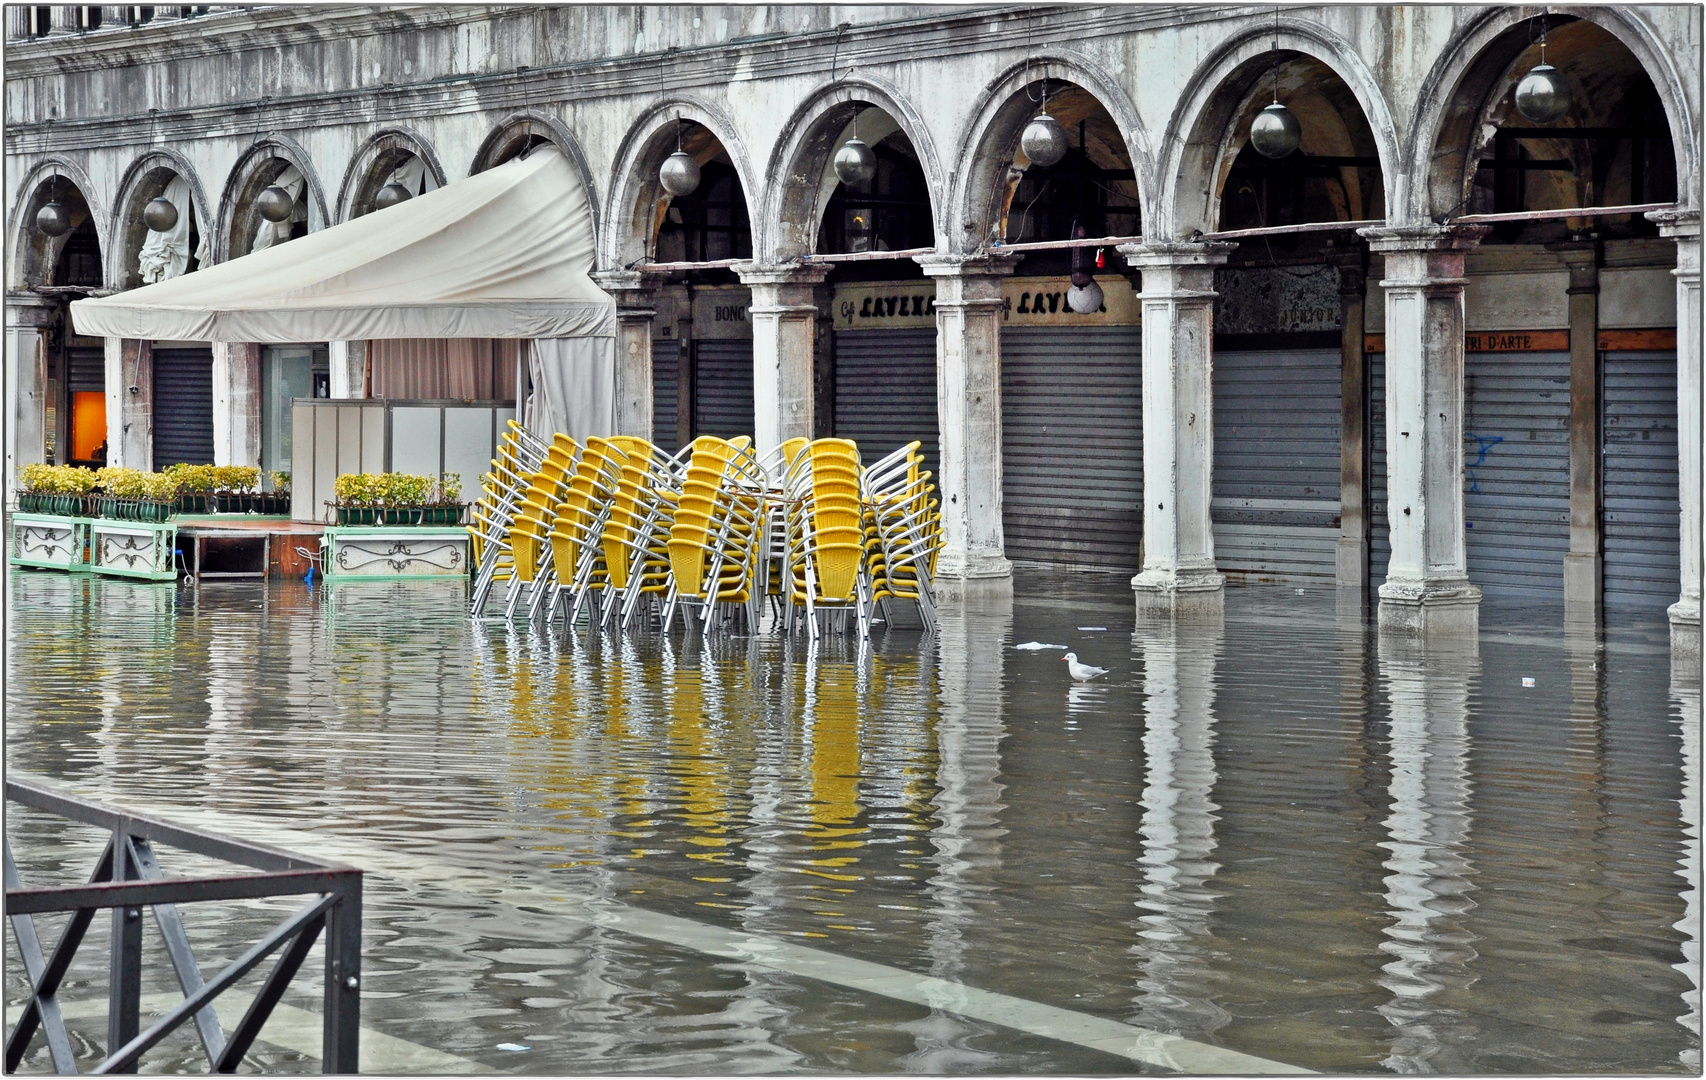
(991, 264)
(1581, 258)
(1678, 224)
(620, 283)
(754, 273)
(1164, 253)
(1426, 237)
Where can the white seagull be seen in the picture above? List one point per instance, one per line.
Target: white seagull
(1082, 672)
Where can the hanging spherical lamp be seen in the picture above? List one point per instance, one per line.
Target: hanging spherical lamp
(53, 219)
(679, 174)
(1043, 140)
(275, 204)
(1275, 132)
(160, 215)
(1085, 299)
(390, 195)
(854, 162)
(1543, 96)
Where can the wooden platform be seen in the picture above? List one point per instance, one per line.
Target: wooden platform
(241, 545)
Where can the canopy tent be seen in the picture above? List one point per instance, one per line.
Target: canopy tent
(502, 254)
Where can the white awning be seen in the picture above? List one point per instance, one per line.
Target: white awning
(502, 254)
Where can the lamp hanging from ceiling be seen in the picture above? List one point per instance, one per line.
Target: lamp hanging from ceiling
(854, 162)
(1543, 96)
(160, 215)
(679, 173)
(53, 219)
(1043, 140)
(1275, 132)
(390, 195)
(275, 204)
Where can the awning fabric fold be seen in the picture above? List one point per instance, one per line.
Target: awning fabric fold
(502, 254)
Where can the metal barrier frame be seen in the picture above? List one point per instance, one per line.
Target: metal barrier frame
(127, 878)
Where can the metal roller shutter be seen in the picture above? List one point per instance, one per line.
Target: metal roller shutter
(1072, 444)
(86, 369)
(1516, 471)
(885, 391)
(722, 388)
(1639, 494)
(1379, 536)
(183, 407)
(666, 393)
(1276, 463)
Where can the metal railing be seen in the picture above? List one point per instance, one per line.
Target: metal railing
(127, 878)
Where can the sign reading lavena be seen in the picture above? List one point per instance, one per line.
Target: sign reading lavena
(903, 305)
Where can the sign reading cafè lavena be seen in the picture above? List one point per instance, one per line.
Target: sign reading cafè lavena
(1025, 302)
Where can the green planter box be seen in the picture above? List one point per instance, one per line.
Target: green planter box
(50, 542)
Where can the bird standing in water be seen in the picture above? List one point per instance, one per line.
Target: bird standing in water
(1082, 672)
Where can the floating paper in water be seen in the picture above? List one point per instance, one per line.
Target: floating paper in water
(1528, 680)
(513, 1046)
(1092, 628)
(1035, 645)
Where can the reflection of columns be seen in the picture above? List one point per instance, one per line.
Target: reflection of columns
(968, 410)
(1427, 686)
(130, 403)
(348, 361)
(1685, 692)
(1178, 425)
(26, 387)
(1352, 561)
(1427, 581)
(784, 329)
(1683, 226)
(1582, 564)
(236, 403)
(1177, 828)
(635, 311)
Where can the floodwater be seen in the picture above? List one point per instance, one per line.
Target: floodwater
(1275, 833)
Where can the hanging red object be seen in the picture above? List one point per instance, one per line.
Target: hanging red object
(1101, 258)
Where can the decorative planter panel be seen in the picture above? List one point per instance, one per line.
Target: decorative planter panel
(370, 552)
(134, 549)
(50, 541)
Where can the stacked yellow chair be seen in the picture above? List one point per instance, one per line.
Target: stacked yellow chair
(715, 535)
(529, 529)
(825, 534)
(577, 549)
(520, 453)
(903, 532)
(636, 532)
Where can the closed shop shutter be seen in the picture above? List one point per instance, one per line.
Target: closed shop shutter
(1276, 463)
(722, 388)
(885, 391)
(183, 407)
(86, 369)
(666, 394)
(1379, 537)
(1072, 444)
(1516, 471)
(1639, 481)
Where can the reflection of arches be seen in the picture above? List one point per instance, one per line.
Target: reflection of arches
(637, 203)
(35, 255)
(1204, 134)
(145, 180)
(1446, 139)
(259, 165)
(521, 130)
(796, 194)
(373, 164)
(978, 202)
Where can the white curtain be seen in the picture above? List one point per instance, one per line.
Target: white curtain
(415, 177)
(167, 254)
(574, 387)
(268, 233)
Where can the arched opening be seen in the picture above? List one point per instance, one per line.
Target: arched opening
(134, 235)
(250, 230)
(390, 158)
(60, 269)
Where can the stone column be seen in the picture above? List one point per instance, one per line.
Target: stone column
(1178, 572)
(27, 321)
(1583, 565)
(968, 410)
(17, 22)
(348, 362)
(635, 312)
(64, 19)
(1427, 583)
(1352, 556)
(784, 330)
(236, 403)
(130, 403)
(1683, 226)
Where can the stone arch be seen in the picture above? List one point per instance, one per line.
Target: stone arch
(1447, 135)
(35, 254)
(375, 161)
(528, 127)
(982, 186)
(146, 179)
(793, 200)
(1204, 134)
(637, 201)
(248, 178)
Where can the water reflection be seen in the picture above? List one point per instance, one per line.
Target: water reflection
(1177, 831)
(1428, 891)
(1685, 693)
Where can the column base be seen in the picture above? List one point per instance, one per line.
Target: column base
(1425, 607)
(1179, 592)
(1350, 562)
(1685, 630)
(975, 566)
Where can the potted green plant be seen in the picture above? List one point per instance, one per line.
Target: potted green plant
(445, 507)
(233, 486)
(356, 498)
(159, 497)
(405, 496)
(197, 483)
(71, 487)
(37, 484)
(277, 501)
(120, 487)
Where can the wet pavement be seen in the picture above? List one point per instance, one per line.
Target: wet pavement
(1276, 833)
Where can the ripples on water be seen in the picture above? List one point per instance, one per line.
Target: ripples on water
(1275, 833)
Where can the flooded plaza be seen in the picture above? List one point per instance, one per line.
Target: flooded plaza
(1286, 841)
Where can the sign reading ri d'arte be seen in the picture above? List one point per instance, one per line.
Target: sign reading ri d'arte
(1026, 302)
